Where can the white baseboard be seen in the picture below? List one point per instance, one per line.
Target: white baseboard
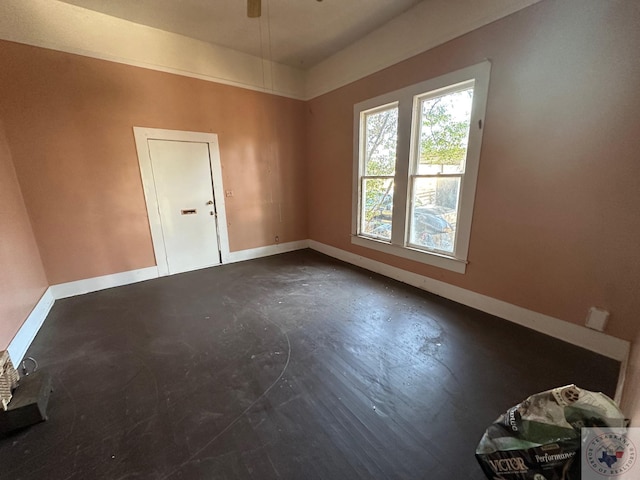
(71, 289)
(21, 341)
(592, 340)
(269, 250)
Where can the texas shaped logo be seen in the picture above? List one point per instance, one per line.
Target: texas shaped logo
(610, 459)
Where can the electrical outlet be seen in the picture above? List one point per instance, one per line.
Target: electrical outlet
(228, 193)
(597, 318)
(277, 239)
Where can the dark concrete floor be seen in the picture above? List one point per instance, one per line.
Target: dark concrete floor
(293, 367)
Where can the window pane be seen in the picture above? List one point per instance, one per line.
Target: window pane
(381, 137)
(434, 214)
(377, 207)
(444, 132)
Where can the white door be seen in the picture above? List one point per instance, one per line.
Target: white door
(184, 192)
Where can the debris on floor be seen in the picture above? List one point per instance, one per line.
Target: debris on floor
(539, 439)
(24, 400)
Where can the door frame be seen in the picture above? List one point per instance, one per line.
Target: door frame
(141, 135)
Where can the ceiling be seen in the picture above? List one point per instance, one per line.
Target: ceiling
(299, 33)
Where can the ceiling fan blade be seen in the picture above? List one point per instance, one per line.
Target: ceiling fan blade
(254, 8)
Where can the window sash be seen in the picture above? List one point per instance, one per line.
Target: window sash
(411, 210)
(416, 120)
(414, 165)
(364, 115)
(362, 205)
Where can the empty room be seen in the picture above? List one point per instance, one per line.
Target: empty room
(315, 239)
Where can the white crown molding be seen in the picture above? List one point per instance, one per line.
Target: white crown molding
(425, 26)
(68, 28)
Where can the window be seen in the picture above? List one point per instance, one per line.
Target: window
(380, 138)
(416, 162)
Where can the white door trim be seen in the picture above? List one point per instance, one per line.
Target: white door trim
(142, 134)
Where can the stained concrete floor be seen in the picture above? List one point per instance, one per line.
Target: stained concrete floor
(289, 367)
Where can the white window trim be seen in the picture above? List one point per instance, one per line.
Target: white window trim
(405, 100)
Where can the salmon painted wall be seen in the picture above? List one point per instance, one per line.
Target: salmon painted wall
(22, 277)
(69, 124)
(556, 220)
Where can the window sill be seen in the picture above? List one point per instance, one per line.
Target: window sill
(441, 261)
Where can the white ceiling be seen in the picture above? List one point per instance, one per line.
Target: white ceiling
(334, 52)
(299, 33)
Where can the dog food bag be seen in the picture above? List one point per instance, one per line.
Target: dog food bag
(539, 439)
